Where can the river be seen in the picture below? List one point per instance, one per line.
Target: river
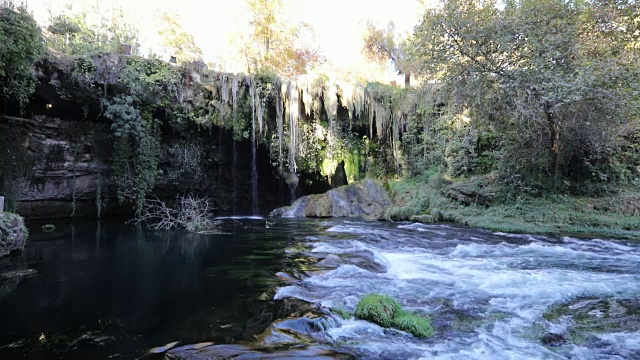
(108, 290)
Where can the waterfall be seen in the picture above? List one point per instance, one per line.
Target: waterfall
(254, 166)
(233, 177)
(234, 92)
(293, 110)
(279, 121)
(288, 132)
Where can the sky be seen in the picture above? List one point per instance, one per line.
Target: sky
(338, 24)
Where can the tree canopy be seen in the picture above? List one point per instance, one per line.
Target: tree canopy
(274, 45)
(558, 77)
(20, 46)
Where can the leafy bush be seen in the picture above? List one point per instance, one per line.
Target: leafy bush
(21, 46)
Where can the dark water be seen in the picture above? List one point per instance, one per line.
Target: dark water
(107, 290)
(141, 288)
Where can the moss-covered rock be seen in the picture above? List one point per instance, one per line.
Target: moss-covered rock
(319, 206)
(414, 324)
(13, 233)
(366, 199)
(387, 312)
(378, 309)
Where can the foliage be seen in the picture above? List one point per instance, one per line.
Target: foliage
(611, 217)
(177, 42)
(274, 45)
(557, 91)
(20, 46)
(136, 149)
(383, 45)
(387, 312)
(72, 32)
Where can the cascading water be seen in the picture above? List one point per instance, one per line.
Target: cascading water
(298, 108)
(254, 166)
(488, 294)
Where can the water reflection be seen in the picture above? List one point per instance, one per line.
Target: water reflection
(142, 287)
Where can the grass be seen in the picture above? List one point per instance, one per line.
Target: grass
(387, 312)
(427, 202)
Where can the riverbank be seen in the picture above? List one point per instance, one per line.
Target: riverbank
(481, 202)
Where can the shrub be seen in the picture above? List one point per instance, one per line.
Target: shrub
(189, 212)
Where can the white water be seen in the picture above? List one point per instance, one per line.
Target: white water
(501, 284)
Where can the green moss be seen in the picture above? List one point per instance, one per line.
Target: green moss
(341, 312)
(414, 324)
(378, 309)
(387, 312)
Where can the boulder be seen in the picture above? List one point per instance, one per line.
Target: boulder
(366, 199)
(13, 233)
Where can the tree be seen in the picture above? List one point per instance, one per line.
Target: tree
(71, 32)
(382, 45)
(178, 42)
(20, 45)
(276, 46)
(534, 69)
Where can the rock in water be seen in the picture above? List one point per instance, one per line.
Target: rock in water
(13, 233)
(366, 199)
(551, 339)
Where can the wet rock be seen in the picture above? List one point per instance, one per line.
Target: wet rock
(240, 352)
(91, 340)
(13, 233)
(366, 199)
(551, 339)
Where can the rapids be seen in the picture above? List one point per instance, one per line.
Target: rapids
(485, 292)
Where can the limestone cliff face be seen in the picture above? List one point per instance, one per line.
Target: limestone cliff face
(57, 168)
(13, 233)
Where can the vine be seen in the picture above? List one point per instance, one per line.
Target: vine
(136, 149)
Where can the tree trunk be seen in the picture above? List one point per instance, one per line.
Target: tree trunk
(554, 143)
(407, 80)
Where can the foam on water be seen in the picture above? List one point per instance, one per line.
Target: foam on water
(517, 277)
(239, 218)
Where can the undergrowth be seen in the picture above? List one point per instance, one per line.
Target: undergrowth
(431, 200)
